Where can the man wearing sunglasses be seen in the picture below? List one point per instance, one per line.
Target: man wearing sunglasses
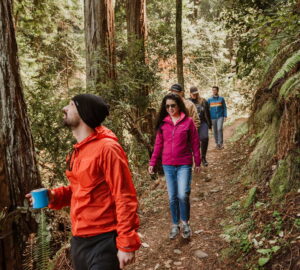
(191, 108)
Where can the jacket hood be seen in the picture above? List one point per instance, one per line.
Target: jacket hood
(101, 132)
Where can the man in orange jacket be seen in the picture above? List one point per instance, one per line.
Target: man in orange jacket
(101, 192)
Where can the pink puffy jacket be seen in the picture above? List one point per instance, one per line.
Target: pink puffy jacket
(177, 143)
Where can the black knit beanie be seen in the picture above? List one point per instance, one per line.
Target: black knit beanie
(92, 109)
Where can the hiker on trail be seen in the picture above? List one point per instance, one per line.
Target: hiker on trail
(205, 121)
(101, 192)
(177, 141)
(191, 109)
(218, 114)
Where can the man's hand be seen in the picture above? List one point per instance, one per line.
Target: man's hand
(151, 170)
(125, 258)
(50, 197)
(197, 169)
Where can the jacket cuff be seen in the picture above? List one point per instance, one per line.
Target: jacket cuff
(198, 162)
(152, 163)
(57, 199)
(128, 243)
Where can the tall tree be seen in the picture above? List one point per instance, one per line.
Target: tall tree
(179, 53)
(137, 34)
(18, 170)
(136, 25)
(99, 39)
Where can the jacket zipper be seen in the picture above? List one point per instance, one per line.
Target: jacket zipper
(76, 204)
(173, 133)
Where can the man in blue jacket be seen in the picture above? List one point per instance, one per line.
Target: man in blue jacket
(218, 114)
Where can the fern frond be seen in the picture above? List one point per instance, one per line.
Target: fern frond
(287, 66)
(43, 244)
(290, 84)
(29, 253)
(286, 50)
(279, 59)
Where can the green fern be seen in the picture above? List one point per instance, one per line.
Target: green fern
(36, 255)
(290, 84)
(280, 58)
(288, 66)
(42, 253)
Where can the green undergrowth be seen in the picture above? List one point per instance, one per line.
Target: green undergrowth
(262, 220)
(291, 87)
(239, 132)
(282, 179)
(264, 116)
(258, 232)
(264, 150)
(37, 251)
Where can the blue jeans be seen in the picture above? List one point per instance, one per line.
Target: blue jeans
(218, 129)
(179, 188)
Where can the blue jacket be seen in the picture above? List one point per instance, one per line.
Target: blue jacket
(217, 107)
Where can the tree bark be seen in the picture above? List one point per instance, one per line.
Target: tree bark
(18, 168)
(297, 8)
(100, 43)
(179, 53)
(136, 25)
(136, 35)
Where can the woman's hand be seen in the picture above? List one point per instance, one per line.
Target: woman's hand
(197, 169)
(151, 170)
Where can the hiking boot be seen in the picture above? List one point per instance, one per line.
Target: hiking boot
(174, 231)
(220, 146)
(204, 162)
(186, 231)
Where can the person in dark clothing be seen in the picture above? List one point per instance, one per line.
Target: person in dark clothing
(205, 120)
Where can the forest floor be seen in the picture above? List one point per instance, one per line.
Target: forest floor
(212, 191)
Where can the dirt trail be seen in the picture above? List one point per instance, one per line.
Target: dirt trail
(210, 191)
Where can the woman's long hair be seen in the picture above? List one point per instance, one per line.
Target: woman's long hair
(163, 111)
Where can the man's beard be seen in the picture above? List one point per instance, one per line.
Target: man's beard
(71, 123)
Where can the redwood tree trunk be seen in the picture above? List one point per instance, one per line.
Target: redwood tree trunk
(179, 54)
(99, 40)
(18, 169)
(136, 25)
(136, 34)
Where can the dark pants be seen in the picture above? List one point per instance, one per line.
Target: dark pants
(204, 146)
(203, 135)
(95, 253)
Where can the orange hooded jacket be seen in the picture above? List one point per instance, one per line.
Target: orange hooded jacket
(101, 192)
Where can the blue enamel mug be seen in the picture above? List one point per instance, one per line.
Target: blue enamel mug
(39, 198)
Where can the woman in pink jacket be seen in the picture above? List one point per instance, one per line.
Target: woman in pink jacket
(177, 142)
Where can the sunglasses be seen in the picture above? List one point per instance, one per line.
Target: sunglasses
(171, 105)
